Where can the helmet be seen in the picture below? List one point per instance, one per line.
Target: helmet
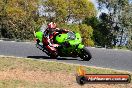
(52, 25)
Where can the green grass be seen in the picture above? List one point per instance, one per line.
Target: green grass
(10, 63)
(24, 84)
(36, 65)
(33, 65)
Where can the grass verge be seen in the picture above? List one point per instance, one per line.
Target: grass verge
(30, 73)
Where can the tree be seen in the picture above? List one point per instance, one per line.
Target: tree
(65, 10)
(87, 33)
(120, 13)
(19, 18)
(102, 31)
(129, 44)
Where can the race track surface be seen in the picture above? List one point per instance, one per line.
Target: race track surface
(107, 58)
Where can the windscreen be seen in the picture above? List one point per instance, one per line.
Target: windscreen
(71, 35)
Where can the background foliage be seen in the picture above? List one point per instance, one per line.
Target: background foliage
(19, 18)
(120, 12)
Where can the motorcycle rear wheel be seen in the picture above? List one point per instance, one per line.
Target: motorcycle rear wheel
(54, 55)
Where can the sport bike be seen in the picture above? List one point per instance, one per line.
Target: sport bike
(64, 45)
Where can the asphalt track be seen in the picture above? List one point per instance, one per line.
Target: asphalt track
(107, 58)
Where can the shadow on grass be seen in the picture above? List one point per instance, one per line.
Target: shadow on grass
(46, 57)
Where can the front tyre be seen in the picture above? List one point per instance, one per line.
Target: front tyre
(85, 54)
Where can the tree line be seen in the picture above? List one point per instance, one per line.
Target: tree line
(19, 18)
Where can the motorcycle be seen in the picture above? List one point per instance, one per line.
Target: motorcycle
(65, 45)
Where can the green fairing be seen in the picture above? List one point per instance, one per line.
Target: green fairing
(78, 36)
(77, 40)
(61, 38)
(80, 46)
(39, 35)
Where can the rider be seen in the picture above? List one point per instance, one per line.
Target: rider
(49, 30)
(52, 27)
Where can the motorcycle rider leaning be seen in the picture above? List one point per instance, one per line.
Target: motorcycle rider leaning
(52, 27)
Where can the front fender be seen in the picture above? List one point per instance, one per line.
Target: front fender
(80, 46)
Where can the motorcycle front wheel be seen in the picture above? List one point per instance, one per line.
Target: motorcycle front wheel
(85, 54)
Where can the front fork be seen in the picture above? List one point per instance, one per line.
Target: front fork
(80, 47)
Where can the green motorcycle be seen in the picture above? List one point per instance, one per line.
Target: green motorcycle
(70, 45)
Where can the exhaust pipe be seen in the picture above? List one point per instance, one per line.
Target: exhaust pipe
(39, 46)
(42, 48)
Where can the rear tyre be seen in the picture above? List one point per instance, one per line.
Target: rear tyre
(54, 55)
(85, 54)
